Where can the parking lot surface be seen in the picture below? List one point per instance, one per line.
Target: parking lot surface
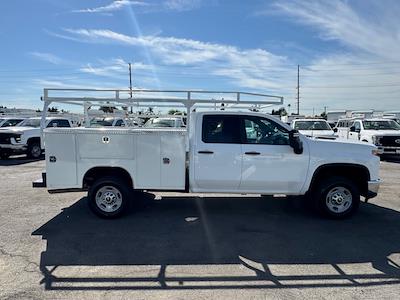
(175, 246)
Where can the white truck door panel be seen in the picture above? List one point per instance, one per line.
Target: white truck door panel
(218, 166)
(60, 160)
(160, 160)
(173, 158)
(148, 153)
(217, 159)
(106, 144)
(269, 164)
(276, 169)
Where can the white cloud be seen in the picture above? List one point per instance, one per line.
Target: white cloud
(246, 68)
(114, 6)
(47, 57)
(182, 5)
(337, 20)
(116, 67)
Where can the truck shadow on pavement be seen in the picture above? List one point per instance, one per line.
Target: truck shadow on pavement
(19, 160)
(252, 234)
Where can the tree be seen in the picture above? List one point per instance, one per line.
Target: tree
(108, 109)
(52, 109)
(324, 115)
(280, 112)
(172, 111)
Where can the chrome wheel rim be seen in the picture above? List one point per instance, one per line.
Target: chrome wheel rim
(108, 199)
(36, 151)
(339, 199)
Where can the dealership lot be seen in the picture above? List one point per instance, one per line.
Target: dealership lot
(177, 246)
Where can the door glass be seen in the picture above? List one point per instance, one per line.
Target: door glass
(263, 131)
(357, 126)
(223, 129)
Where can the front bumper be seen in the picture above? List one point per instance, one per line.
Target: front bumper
(13, 148)
(389, 150)
(373, 188)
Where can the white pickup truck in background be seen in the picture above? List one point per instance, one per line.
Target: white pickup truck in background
(313, 127)
(383, 133)
(25, 138)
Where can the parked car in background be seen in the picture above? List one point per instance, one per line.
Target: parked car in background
(313, 127)
(25, 138)
(172, 122)
(10, 121)
(108, 122)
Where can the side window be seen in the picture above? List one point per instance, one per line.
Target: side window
(222, 129)
(263, 131)
(119, 123)
(59, 123)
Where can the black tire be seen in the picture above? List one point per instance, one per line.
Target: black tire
(346, 193)
(120, 192)
(34, 150)
(4, 155)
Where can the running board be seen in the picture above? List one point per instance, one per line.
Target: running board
(40, 183)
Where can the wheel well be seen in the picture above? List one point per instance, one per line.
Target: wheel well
(95, 173)
(357, 173)
(33, 140)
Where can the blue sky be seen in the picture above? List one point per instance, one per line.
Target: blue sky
(348, 51)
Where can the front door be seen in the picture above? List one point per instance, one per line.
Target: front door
(355, 135)
(217, 154)
(269, 164)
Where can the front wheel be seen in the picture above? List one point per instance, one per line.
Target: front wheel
(34, 150)
(336, 197)
(109, 197)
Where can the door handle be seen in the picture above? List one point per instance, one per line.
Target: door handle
(205, 152)
(252, 153)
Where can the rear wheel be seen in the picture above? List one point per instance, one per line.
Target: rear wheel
(34, 150)
(109, 197)
(336, 197)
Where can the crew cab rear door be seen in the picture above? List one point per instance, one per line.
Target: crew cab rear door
(269, 164)
(216, 154)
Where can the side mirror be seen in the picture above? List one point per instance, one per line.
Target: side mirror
(295, 142)
(335, 130)
(352, 129)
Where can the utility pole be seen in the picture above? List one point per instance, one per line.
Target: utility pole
(130, 79)
(298, 89)
(130, 84)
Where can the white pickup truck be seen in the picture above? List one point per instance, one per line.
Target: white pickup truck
(25, 137)
(383, 133)
(220, 152)
(313, 127)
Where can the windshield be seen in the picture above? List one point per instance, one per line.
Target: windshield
(311, 125)
(101, 122)
(30, 123)
(10, 122)
(160, 123)
(381, 125)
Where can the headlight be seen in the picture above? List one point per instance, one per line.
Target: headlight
(376, 140)
(17, 138)
(377, 152)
